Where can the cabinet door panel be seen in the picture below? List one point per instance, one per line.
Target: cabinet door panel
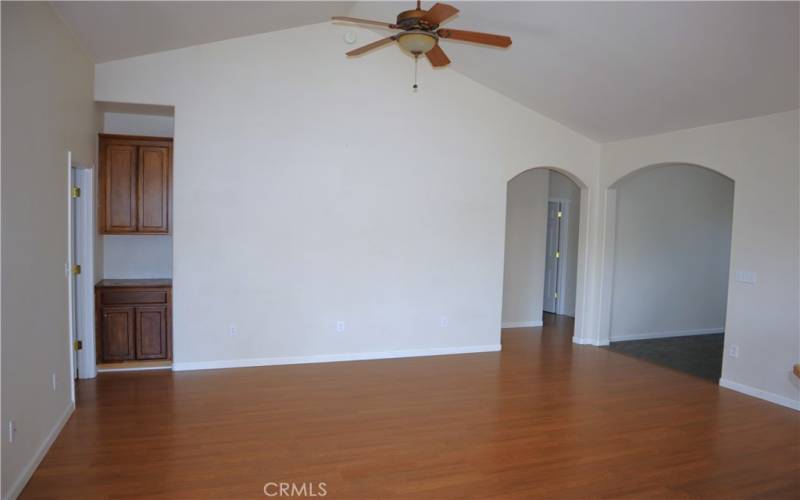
(151, 332)
(118, 333)
(120, 188)
(153, 189)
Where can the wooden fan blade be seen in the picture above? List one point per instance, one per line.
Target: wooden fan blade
(365, 21)
(475, 37)
(439, 13)
(437, 57)
(370, 46)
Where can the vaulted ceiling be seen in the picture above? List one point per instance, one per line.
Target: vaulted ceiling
(607, 70)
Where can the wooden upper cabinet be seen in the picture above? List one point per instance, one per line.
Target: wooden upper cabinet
(153, 189)
(120, 188)
(135, 184)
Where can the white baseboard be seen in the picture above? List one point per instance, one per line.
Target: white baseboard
(585, 341)
(329, 358)
(794, 404)
(661, 335)
(522, 324)
(28, 471)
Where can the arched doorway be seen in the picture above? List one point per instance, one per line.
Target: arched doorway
(666, 266)
(544, 248)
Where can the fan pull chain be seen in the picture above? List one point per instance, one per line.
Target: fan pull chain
(416, 64)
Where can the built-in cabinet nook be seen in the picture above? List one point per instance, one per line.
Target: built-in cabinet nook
(133, 294)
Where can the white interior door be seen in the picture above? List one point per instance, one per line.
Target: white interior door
(74, 275)
(82, 283)
(551, 268)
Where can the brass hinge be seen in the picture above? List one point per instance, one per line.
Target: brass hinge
(558, 254)
(76, 192)
(559, 214)
(78, 345)
(76, 269)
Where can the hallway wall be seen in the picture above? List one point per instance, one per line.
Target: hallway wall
(526, 246)
(672, 253)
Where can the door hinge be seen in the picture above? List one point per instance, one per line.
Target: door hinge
(78, 345)
(555, 295)
(76, 269)
(76, 192)
(558, 254)
(559, 214)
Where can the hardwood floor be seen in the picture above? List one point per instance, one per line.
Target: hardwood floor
(543, 419)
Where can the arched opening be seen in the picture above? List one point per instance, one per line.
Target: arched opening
(544, 250)
(666, 266)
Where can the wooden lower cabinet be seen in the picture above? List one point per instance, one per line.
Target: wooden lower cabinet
(133, 320)
(118, 337)
(151, 332)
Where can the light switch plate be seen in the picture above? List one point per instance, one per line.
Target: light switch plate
(749, 277)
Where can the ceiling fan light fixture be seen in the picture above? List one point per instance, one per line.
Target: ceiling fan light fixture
(417, 42)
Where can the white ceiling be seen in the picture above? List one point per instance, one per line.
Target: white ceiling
(116, 30)
(608, 70)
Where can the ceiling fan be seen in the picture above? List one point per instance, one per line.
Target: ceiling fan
(420, 33)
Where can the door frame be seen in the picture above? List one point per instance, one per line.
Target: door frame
(563, 249)
(81, 251)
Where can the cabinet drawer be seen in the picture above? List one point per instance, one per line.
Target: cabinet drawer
(112, 297)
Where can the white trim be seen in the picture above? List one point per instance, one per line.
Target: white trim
(329, 358)
(16, 489)
(661, 335)
(71, 337)
(585, 341)
(522, 324)
(794, 404)
(563, 248)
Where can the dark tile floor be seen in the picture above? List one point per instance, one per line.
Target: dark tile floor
(699, 355)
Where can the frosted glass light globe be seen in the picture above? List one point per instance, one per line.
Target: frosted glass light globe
(417, 42)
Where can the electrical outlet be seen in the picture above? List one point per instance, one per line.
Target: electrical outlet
(340, 326)
(53, 379)
(734, 351)
(443, 322)
(232, 331)
(12, 431)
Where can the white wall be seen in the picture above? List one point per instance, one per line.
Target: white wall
(130, 256)
(311, 188)
(138, 124)
(526, 239)
(137, 256)
(563, 188)
(672, 252)
(47, 110)
(761, 156)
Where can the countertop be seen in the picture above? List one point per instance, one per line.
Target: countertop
(123, 283)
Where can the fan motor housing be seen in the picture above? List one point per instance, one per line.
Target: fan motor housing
(410, 19)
